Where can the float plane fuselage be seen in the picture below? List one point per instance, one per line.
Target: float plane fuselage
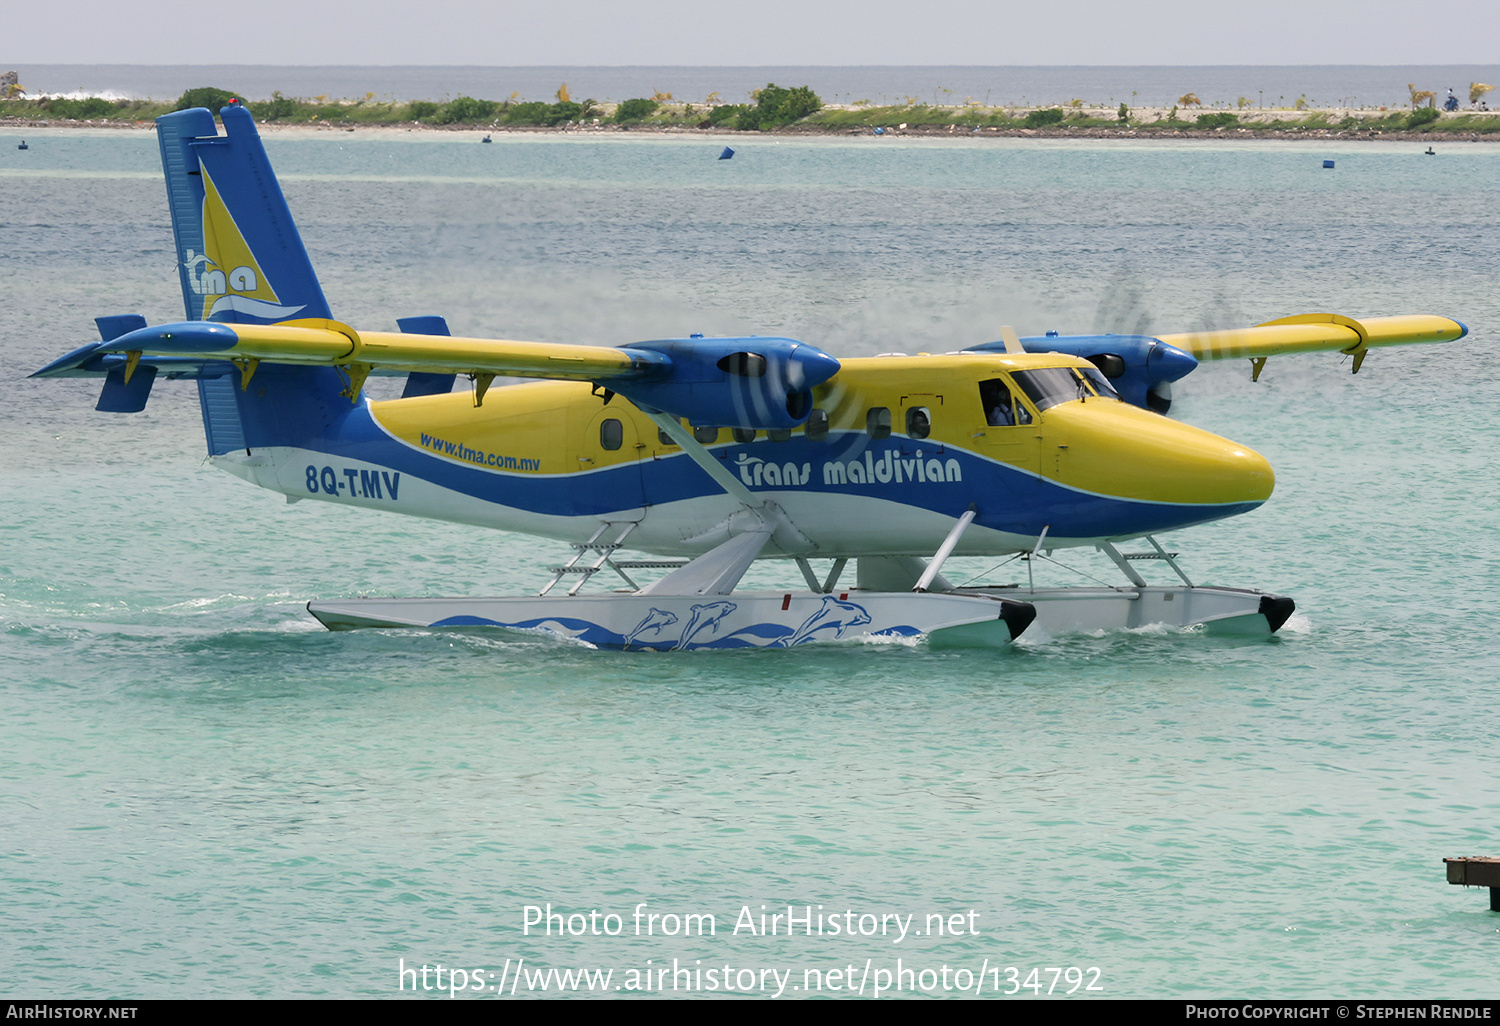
(716, 451)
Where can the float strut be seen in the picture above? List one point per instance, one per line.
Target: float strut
(946, 549)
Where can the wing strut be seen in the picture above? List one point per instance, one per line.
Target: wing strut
(946, 549)
(684, 439)
(770, 515)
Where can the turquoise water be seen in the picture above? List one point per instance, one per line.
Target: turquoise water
(204, 794)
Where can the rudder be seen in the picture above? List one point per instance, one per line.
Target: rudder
(241, 260)
(240, 257)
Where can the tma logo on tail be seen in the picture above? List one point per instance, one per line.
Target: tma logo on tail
(242, 293)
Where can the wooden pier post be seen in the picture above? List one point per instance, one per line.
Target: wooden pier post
(1477, 871)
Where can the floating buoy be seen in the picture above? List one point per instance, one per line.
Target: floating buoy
(1328, 163)
(726, 153)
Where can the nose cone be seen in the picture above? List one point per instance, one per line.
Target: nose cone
(1168, 363)
(1169, 474)
(1207, 470)
(809, 367)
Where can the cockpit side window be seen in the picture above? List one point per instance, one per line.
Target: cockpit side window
(1099, 382)
(1000, 407)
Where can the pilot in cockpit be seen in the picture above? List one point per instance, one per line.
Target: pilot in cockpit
(999, 409)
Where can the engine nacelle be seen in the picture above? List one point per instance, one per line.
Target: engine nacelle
(761, 383)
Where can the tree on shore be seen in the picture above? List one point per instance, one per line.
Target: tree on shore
(637, 109)
(207, 96)
(775, 106)
(1419, 95)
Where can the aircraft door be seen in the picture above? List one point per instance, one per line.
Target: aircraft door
(1005, 426)
(612, 449)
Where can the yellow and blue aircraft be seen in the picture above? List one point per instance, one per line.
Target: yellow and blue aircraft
(703, 453)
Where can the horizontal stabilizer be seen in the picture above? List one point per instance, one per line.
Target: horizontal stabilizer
(425, 382)
(113, 326)
(122, 396)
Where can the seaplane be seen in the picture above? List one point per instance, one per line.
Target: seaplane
(703, 455)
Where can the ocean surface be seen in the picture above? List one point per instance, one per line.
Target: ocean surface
(1261, 85)
(204, 794)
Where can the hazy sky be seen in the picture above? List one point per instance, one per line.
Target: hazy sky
(748, 32)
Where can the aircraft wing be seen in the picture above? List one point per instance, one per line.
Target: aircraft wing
(754, 382)
(330, 343)
(1315, 332)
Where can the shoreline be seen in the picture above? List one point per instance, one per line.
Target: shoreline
(1424, 116)
(799, 113)
(1092, 133)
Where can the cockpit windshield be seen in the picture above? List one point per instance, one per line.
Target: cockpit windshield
(1050, 386)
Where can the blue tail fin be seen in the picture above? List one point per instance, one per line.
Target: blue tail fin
(239, 256)
(241, 261)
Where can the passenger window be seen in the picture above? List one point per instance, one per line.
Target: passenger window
(611, 434)
(878, 422)
(664, 438)
(779, 434)
(706, 435)
(817, 425)
(744, 435)
(918, 422)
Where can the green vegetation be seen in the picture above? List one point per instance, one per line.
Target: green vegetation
(564, 110)
(775, 107)
(1171, 120)
(1469, 124)
(206, 96)
(718, 116)
(466, 110)
(1425, 116)
(1043, 118)
(79, 110)
(535, 113)
(635, 110)
(279, 108)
